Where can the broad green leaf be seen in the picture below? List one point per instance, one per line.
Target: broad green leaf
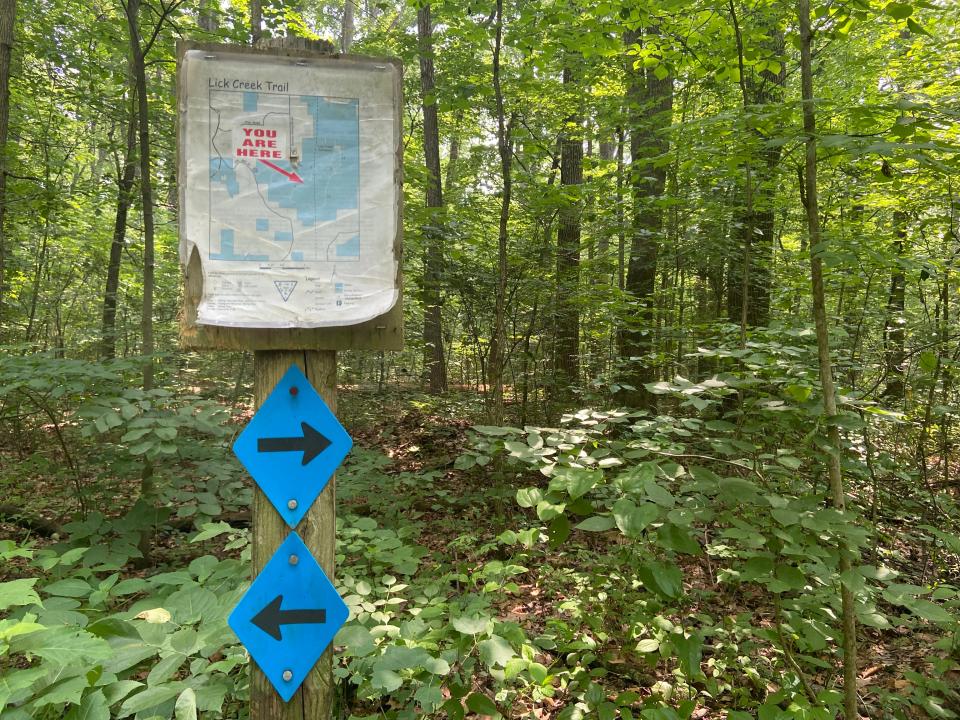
(71, 587)
(149, 698)
(92, 707)
(19, 592)
(471, 625)
(63, 646)
(597, 523)
(191, 604)
(665, 579)
(482, 705)
(648, 645)
(673, 537)
(384, 679)
(165, 669)
(929, 611)
(356, 638)
(899, 10)
(186, 705)
(529, 497)
(659, 494)
(496, 652)
(633, 519)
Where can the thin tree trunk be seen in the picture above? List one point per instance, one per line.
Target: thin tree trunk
(567, 352)
(125, 179)
(433, 261)
(146, 187)
(498, 338)
(650, 101)
(8, 16)
(348, 28)
(256, 22)
(894, 333)
(207, 17)
(848, 621)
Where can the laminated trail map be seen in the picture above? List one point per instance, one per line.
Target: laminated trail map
(290, 187)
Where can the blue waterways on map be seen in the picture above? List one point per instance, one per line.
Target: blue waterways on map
(284, 177)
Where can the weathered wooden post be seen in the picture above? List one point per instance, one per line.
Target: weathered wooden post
(290, 240)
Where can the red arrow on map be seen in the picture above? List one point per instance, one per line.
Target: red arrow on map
(291, 176)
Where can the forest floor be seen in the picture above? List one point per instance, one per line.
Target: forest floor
(402, 474)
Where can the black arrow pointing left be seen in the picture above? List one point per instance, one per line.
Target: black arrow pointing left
(312, 443)
(272, 617)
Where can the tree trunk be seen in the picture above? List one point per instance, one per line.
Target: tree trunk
(8, 15)
(125, 179)
(894, 330)
(433, 257)
(347, 27)
(650, 103)
(256, 22)
(498, 336)
(567, 347)
(849, 623)
(146, 187)
(207, 17)
(754, 238)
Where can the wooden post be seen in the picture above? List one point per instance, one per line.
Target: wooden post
(312, 349)
(314, 699)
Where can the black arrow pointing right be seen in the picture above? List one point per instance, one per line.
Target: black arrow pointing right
(312, 443)
(272, 617)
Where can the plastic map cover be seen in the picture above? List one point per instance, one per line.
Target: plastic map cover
(290, 187)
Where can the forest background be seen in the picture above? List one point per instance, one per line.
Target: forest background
(672, 435)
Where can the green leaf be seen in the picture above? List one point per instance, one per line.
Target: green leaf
(149, 698)
(186, 706)
(673, 537)
(63, 646)
(495, 651)
(791, 576)
(71, 587)
(665, 579)
(648, 645)
(165, 669)
(659, 494)
(917, 27)
(529, 497)
(929, 611)
(357, 640)
(689, 653)
(430, 697)
(597, 523)
(19, 592)
(471, 625)
(632, 519)
(69, 690)
(547, 510)
(190, 604)
(384, 679)
(899, 10)
(92, 707)
(482, 705)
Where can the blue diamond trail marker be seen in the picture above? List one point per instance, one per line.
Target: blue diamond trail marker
(292, 446)
(289, 616)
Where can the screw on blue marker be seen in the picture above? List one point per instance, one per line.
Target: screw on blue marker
(289, 616)
(292, 446)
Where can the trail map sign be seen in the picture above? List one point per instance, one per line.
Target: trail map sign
(291, 194)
